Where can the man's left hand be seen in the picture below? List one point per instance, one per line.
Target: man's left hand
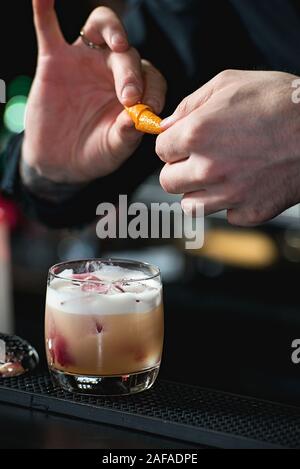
(235, 144)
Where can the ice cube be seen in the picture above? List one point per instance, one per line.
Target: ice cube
(67, 273)
(93, 266)
(134, 287)
(96, 287)
(84, 277)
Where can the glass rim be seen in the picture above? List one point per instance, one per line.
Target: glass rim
(106, 261)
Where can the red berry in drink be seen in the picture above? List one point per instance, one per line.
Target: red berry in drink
(59, 351)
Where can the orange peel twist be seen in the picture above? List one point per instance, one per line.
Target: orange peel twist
(144, 119)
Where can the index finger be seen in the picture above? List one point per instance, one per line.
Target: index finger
(195, 133)
(128, 76)
(104, 27)
(176, 143)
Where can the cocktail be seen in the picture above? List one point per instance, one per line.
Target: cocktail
(104, 326)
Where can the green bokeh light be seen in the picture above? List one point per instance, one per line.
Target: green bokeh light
(20, 86)
(14, 114)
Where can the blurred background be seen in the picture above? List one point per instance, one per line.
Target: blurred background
(232, 308)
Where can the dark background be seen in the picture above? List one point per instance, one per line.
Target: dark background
(18, 43)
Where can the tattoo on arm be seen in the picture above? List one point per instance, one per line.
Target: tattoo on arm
(44, 188)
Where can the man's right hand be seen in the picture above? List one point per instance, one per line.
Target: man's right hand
(76, 126)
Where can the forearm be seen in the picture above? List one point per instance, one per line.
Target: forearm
(79, 208)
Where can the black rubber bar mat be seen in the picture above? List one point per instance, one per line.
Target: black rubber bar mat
(172, 410)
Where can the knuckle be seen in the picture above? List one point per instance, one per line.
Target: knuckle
(209, 171)
(159, 149)
(165, 181)
(189, 139)
(235, 95)
(129, 77)
(165, 150)
(226, 76)
(183, 107)
(202, 172)
(169, 181)
(102, 11)
(206, 129)
(199, 134)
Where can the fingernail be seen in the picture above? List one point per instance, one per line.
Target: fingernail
(131, 91)
(118, 40)
(167, 122)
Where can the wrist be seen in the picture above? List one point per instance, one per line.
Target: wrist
(45, 188)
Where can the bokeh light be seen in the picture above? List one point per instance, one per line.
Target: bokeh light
(20, 86)
(14, 114)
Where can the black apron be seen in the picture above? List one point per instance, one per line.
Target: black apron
(212, 35)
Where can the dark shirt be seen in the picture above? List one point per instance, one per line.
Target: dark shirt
(190, 41)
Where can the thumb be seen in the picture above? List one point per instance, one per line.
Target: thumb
(47, 28)
(190, 104)
(124, 138)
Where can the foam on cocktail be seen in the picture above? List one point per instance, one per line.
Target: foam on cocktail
(125, 291)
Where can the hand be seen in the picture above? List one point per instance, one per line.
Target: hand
(76, 127)
(235, 144)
